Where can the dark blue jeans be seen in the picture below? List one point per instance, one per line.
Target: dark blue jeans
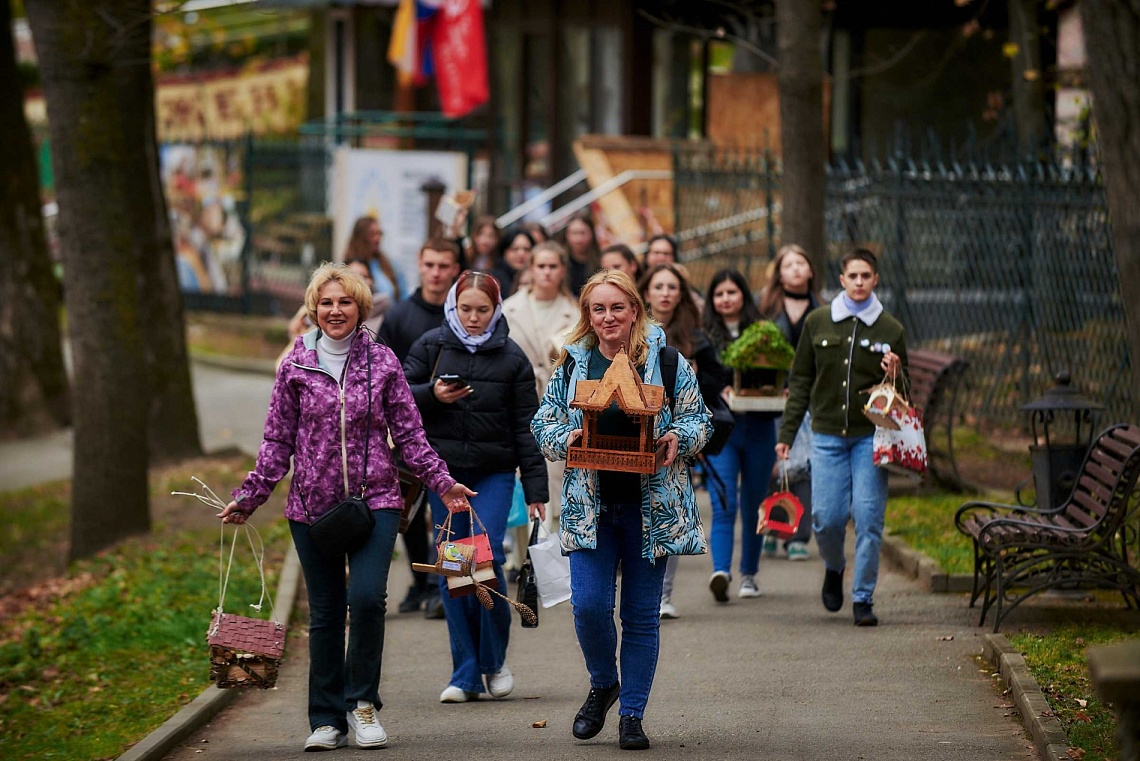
(593, 582)
(479, 637)
(338, 678)
(747, 460)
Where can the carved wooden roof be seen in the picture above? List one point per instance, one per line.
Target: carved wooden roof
(621, 383)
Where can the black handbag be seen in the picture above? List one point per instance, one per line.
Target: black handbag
(528, 587)
(723, 422)
(346, 527)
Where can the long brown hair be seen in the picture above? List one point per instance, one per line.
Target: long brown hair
(359, 248)
(772, 302)
(686, 318)
(639, 332)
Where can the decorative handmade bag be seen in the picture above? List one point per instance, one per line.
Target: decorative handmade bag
(885, 405)
(902, 450)
(346, 527)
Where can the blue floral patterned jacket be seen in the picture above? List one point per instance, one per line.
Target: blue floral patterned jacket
(671, 524)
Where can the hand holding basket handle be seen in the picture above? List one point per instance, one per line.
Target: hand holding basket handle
(455, 498)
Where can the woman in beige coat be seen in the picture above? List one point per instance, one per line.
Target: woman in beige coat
(540, 315)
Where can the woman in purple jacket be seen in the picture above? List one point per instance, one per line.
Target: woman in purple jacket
(319, 419)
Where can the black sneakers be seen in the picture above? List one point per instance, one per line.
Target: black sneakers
(864, 615)
(630, 734)
(413, 601)
(592, 716)
(832, 590)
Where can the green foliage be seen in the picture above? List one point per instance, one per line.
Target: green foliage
(125, 638)
(30, 520)
(762, 344)
(1058, 662)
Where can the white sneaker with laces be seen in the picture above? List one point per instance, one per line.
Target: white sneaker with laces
(668, 610)
(500, 683)
(748, 587)
(453, 694)
(362, 720)
(326, 738)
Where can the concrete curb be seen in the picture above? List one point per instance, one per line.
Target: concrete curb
(1048, 735)
(198, 713)
(922, 568)
(238, 364)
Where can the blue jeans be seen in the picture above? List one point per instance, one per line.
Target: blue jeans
(338, 678)
(593, 582)
(747, 457)
(845, 484)
(479, 636)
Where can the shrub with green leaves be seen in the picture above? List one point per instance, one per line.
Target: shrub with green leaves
(761, 345)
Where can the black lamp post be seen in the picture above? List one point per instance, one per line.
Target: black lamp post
(1057, 458)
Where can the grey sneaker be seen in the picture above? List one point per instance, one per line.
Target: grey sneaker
(667, 609)
(748, 587)
(326, 738)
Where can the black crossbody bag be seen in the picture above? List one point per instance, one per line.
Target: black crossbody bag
(345, 528)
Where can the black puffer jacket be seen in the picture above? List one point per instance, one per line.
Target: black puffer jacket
(490, 429)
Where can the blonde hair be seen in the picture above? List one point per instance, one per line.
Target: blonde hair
(352, 283)
(772, 300)
(556, 248)
(638, 348)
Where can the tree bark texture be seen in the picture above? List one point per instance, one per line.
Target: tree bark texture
(1027, 78)
(95, 66)
(1112, 38)
(800, 79)
(34, 393)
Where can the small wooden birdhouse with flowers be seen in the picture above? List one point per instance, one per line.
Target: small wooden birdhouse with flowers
(639, 401)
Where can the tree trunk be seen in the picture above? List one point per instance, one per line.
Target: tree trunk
(1028, 82)
(33, 393)
(800, 79)
(95, 63)
(1112, 39)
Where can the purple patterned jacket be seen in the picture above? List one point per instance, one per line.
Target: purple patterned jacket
(304, 424)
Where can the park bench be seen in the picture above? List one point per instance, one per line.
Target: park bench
(935, 382)
(1084, 542)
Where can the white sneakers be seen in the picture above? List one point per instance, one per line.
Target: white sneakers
(326, 738)
(668, 610)
(453, 694)
(748, 587)
(363, 721)
(500, 683)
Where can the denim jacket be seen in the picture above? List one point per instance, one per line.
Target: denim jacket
(670, 522)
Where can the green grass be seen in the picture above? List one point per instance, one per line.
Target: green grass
(926, 523)
(1058, 662)
(96, 656)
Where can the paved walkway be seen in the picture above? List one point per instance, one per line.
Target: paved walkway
(774, 678)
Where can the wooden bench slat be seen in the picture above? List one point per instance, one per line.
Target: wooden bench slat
(1116, 447)
(1113, 464)
(1096, 487)
(1095, 510)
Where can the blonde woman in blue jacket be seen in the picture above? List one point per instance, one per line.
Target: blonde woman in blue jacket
(613, 520)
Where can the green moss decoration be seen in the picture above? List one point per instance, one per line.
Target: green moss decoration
(761, 345)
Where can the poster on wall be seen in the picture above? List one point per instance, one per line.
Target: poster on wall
(387, 184)
(202, 184)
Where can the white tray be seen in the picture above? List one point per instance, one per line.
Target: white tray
(758, 403)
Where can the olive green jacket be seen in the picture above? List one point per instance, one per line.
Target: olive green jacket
(838, 357)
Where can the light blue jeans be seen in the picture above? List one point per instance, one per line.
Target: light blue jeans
(747, 457)
(593, 582)
(479, 636)
(846, 484)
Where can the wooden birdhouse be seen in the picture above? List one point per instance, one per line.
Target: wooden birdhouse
(244, 652)
(640, 401)
(780, 514)
(885, 406)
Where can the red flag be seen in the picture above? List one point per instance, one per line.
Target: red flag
(459, 50)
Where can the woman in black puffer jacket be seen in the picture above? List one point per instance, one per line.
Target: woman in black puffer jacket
(475, 389)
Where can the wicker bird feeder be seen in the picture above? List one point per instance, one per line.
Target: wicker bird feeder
(638, 400)
(244, 652)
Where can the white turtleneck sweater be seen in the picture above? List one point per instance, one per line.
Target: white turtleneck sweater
(333, 354)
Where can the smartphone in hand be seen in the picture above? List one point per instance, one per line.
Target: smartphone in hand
(454, 381)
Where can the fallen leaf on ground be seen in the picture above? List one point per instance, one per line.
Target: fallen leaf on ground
(541, 724)
(946, 638)
(1082, 703)
(1076, 753)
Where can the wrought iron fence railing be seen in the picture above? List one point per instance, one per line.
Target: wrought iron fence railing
(1008, 265)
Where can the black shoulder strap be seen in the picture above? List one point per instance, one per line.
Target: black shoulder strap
(568, 366)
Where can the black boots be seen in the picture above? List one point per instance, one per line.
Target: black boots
(832, 590)
(630, 734)
(864, 615)
(592, 716)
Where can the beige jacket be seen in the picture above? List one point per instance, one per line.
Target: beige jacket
(541, 341)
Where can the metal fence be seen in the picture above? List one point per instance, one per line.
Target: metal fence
(1008, 265)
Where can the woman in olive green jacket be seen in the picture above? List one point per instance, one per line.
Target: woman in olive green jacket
(845, 348)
